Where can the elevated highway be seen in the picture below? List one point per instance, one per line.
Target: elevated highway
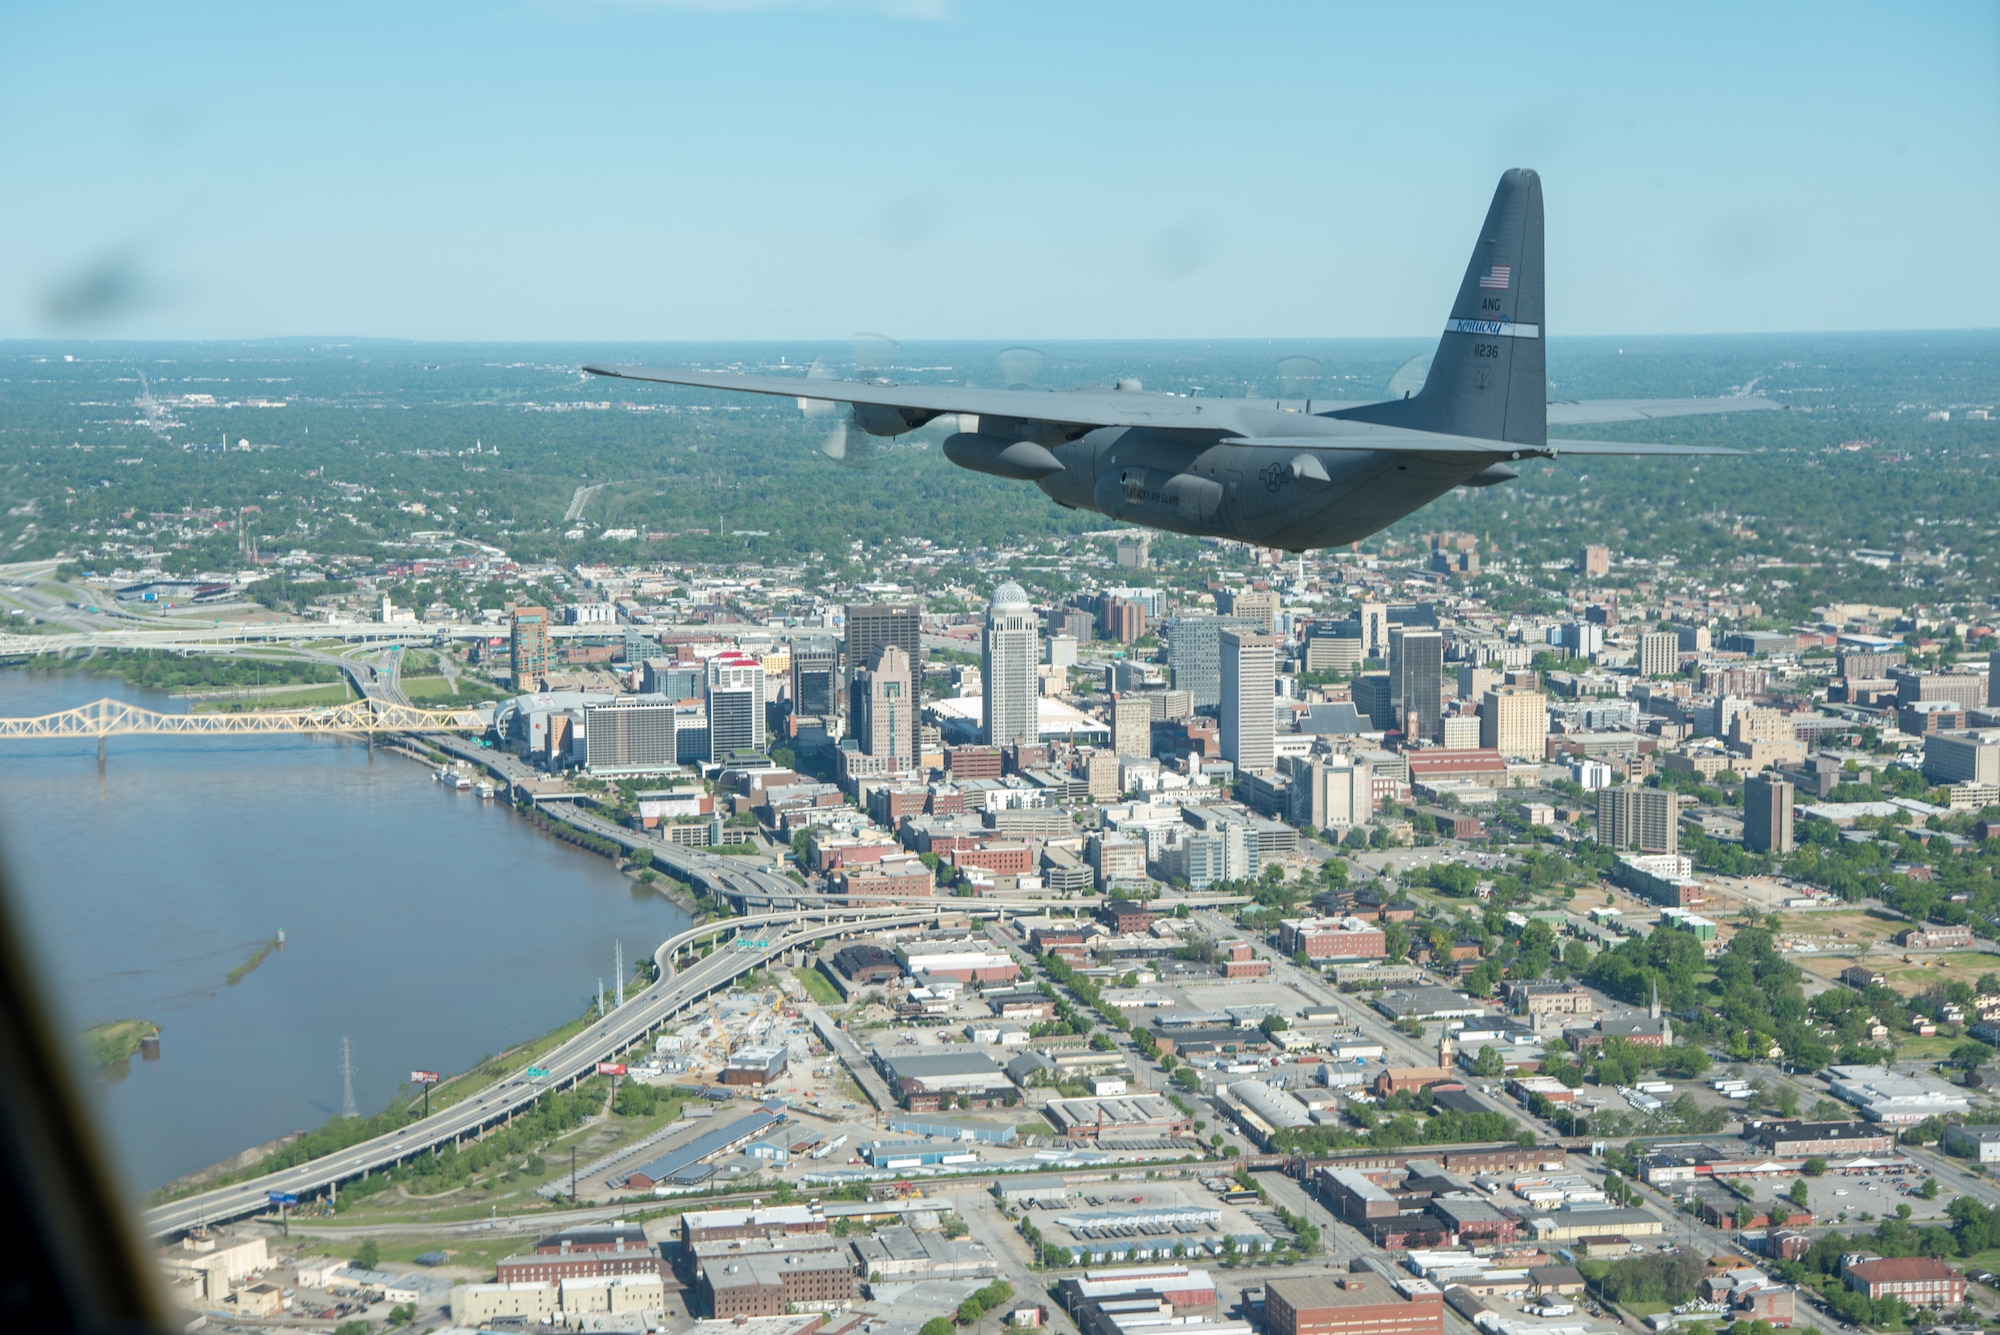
(576, 1059)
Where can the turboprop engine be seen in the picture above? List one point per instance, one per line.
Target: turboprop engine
(1022, 460)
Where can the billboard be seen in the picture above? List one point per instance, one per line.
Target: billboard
(281, 1197)
(611, 1068)
(423, 1077)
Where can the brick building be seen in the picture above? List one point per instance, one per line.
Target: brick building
(765, 1221)
(1332, 939)
(1239, 962)
(1806, 1139)
(1935, 936)
(1357, 1303)
(546, 1267)
(1126, 916)
(1920, 1281)
(777, 1283)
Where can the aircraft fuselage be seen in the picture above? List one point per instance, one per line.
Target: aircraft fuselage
(1258, 494)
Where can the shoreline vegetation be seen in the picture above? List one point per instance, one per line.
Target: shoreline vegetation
(339, 1132)
(117, 1041)
(249, 966)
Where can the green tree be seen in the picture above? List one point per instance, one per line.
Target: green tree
(1929, 1189)
(1813, 1167)
(1800, 1195)
(367, 1256)
(1971, 1054)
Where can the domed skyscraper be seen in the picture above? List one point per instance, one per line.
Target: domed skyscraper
(1008, 668)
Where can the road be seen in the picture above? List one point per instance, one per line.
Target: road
(572, 1061)
(1370, 1024)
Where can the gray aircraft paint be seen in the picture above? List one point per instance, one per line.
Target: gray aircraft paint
(1297, 474)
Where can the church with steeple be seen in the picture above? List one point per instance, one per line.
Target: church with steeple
(1652, 1030)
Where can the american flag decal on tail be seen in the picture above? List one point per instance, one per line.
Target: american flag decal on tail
(1498, 278)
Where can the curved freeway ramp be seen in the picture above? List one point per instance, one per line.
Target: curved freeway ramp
(573, 1061)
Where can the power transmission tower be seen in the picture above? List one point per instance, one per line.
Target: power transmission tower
(600, 998)
(618, 970)
(347, 1108)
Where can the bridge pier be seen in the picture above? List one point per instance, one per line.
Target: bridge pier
(100, 755)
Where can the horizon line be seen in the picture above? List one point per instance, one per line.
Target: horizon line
(1022, 340)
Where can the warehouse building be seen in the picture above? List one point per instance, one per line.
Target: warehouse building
(1360, 1302)
(687, 1164)
(1125, 1116)
(777, 1283)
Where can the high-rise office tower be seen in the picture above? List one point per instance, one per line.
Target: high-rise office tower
(633, 733)
(1767, 815)
(1644, 820)
(528, 645)
(1371, 700)
(641, 647)
(1194, 655)
(887, 724)
(1132, 724)
(1333, 793)
(1659, 653)
(1514, 720)
(735, 706)
(1374, 619)
(815, 678)
(1249, 705)
(1416, 681)
(1334, 647)
(872, 625)
(1259, 607)
(1007, 668)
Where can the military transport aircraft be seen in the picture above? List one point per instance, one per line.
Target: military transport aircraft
(1296, 474)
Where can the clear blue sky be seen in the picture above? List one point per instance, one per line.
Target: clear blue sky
(617, 169)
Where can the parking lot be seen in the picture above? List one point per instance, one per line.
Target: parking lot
(1860, 1198)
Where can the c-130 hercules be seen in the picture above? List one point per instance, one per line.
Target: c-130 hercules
(1296, 475)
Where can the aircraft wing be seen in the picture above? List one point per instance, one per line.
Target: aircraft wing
(1090, 408)
(1433, 442)
(1225, 418)
(1586, 412)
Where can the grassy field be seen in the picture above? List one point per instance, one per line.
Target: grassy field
(1848, 927)
(310, 698)
(818, 986)
(426, 690)
(481, 1254)
(513, 1188)
(1958, 966)
(109, 1044)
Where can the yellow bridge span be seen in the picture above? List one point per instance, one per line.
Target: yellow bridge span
(115, 718)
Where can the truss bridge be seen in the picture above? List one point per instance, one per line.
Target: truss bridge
(115, 718)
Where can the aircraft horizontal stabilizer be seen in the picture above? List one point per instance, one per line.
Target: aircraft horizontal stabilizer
(1587, 412)
(1562, 447)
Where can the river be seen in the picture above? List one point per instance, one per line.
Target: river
(428, 927)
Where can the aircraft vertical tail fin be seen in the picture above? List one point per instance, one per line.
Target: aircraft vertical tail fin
(1489, 378)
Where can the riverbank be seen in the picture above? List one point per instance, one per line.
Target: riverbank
(426, 927)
